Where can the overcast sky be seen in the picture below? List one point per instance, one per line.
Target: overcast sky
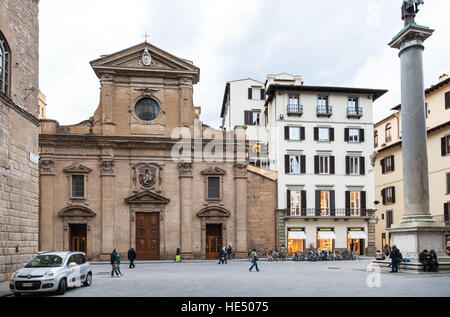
(327, 42)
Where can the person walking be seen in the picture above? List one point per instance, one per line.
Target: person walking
(132, 257)
(396, 258)
(223, 256)
(254, 259)
(114, 264)
(230, 253)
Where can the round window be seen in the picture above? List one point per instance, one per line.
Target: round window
(147, 109)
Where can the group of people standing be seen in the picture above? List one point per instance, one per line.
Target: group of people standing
(226, 253)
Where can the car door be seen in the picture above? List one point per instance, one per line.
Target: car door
(83, 267)
(73, 276)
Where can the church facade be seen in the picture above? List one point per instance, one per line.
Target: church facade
(117, 180)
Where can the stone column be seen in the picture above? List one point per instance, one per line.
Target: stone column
(417, 230)
(47, 212)
(107, 201)
(186, 209)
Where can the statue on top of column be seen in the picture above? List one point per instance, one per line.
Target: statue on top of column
(410, 9)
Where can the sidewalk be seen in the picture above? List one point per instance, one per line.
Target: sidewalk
(4, 289)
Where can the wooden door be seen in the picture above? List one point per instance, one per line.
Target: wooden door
(147, 236)
(213, 246)
(78, 238)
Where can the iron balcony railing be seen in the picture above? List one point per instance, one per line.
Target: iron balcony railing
(328, 212)
(294, 109)
(354, 112)
(324, 110)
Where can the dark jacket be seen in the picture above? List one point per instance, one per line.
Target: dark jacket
(423, 257)
(131, 255)
(113, 258)
(395, 254)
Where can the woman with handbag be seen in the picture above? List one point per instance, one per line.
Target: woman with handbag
(254, 259)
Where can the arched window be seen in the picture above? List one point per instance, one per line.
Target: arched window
(388, 133)
(4, 65)
(375, 138)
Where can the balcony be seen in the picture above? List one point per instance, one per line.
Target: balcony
(324, 111)
(294, 109)
(353, 112)
(343, 213)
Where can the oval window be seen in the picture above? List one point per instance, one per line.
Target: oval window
(147, 109)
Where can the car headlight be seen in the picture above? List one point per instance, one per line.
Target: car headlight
(14, 275)
(49, 274)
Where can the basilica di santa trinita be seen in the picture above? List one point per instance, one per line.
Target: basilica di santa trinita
(118, 180)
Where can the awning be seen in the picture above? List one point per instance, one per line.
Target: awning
(357, 234)
(325, 235)
(297, 235)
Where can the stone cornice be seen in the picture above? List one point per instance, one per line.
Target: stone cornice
(20, 110)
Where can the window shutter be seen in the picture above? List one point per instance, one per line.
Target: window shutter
(447, 100)
(288, 202)
(249, 93)
(246, 118)
(347, 165)
(316, 134)
(363, 204)
(392, 162)
(346, 134)
(362, 166)
(347, 203)
(383, 166)
(303, 164)
(443, 146)
(317, 202)
(263, 94)
(287, 169)
(383, 195)
(331, 134)
(446, 215)
(303, 203)
(448, 183)
(286, 133)
(316, 164)
(332, 203)
(361, 135)
(302, 133)
(332, 165)
(393, 195)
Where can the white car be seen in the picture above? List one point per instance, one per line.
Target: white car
(52, 272)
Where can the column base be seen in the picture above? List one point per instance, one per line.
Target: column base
(187, 255)
(414, 266)
(411, 238)
(241, 255)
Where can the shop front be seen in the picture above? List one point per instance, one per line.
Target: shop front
(296, 240)
(356, 240)
(325, 239)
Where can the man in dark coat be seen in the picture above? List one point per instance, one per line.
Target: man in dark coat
(132, 257)
(396, 258)
(424, 258)
(433, 261)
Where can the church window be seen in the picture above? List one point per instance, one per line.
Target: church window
(77, 186)
(213, 187)
(4, 65)
(147, 109)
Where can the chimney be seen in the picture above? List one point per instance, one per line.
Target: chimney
(443, 77)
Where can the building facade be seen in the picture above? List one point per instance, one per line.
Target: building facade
(389, 163)
(19, 128)
(117, 180)
(320, 141)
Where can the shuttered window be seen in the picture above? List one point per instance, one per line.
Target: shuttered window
(447, 100)
(445, 145)
(389, 218)
(77, 186)
(213, 187)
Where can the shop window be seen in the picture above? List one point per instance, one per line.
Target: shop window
(296, 240)
(325, 239)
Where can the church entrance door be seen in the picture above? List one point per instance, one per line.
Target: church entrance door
(78, 238)
(147, 236)
(213, 241)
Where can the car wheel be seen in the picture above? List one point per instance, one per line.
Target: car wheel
(88, 281)
(62, 287)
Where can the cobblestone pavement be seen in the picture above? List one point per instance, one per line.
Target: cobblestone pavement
(276, 279)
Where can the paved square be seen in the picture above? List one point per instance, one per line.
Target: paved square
(290, 279)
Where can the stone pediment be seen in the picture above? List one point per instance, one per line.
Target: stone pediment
(76, 211)
(147, 197)
(77, 168)
(156, 61)
(214, 171)
(214, 211)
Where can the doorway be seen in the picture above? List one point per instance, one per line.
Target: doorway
(78, 237)
(213, 241)
(147, 236)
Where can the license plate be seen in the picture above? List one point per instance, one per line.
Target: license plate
(27, 284)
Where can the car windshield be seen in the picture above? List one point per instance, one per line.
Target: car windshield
(45, 261)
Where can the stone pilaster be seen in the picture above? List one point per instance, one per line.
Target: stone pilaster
(186, 209)
(107, 205)
(241, 209)
(47, 213)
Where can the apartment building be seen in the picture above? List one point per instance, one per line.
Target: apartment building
(389, 168)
